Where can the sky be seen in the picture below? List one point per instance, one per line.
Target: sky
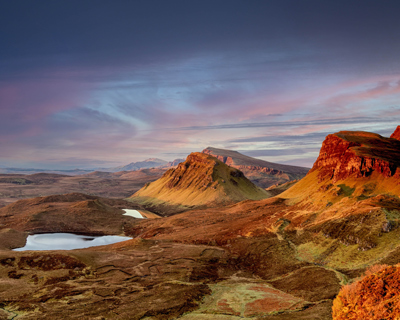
(88, 84)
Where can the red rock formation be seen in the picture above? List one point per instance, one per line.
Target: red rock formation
(357, 154)
(396, 134)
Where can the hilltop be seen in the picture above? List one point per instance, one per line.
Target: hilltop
(201, 180)
(262, 173)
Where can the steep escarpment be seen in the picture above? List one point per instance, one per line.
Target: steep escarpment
(201, 180)
(349, 201)
(396, 134)
(352, 165)
(357, 154)
(262, 173)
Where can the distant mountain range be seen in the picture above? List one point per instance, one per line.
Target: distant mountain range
(146, 164)
(71, 172)
(133, 166)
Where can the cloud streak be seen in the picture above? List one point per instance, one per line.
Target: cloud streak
(324, 122)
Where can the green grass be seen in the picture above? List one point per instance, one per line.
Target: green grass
(346, 190)
(391, 214)
(348, 256)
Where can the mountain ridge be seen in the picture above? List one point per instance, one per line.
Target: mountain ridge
(262, 173)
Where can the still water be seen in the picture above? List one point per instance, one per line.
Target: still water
(67, 241)
(133, 213)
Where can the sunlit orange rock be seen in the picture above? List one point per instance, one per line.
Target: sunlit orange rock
(357, 154)
(376, 296)
(396, 134)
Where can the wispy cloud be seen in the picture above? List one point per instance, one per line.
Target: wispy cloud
(341, 121)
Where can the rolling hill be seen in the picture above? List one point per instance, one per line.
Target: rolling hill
(201, 180)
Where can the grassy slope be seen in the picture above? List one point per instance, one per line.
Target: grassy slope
(225, 189)
(345, 220)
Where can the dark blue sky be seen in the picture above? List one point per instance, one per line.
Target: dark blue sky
(101, 83)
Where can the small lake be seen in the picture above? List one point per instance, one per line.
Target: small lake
(133, 213)
(67, 241)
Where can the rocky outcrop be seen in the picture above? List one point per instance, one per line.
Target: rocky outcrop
(396, 134)
(357, 154)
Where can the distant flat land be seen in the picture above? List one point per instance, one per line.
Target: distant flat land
(122, 184)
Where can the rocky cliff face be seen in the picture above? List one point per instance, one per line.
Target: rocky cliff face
(357, 154)
(396, 134)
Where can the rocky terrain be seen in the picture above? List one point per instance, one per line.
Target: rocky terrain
(280, 258)
(200, 181)
(262, 173)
